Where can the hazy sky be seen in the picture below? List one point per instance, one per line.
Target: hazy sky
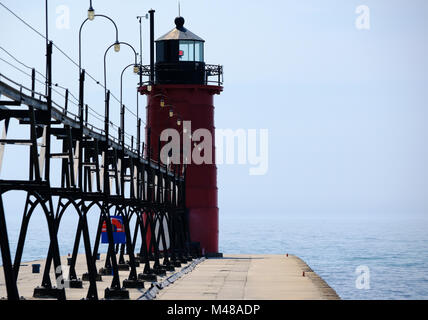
(345, 108)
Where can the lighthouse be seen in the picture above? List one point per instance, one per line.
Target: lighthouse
(180, 96)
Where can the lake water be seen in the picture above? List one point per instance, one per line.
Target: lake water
(394, 249)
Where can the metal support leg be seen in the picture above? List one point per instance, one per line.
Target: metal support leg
(11, 288)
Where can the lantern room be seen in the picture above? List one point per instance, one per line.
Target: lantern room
(180, 57)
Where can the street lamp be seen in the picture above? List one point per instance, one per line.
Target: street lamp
(117, 44)
(91, 11)
(122, 113)
(91, 16)
(107, 111)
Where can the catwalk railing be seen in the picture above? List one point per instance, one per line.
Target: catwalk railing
(97, 171)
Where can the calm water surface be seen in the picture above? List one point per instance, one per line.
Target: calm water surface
(395, 249)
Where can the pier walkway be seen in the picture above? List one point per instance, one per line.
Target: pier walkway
(234, 277)
(250, 277)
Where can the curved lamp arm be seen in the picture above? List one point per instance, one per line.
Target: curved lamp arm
(122, 107)
(80, 35)
(107, 113)
(105, 56)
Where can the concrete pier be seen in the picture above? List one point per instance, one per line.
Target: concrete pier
(27, 281)
(250, 277)
(234, 277)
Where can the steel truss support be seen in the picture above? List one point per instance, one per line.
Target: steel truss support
(95, 172)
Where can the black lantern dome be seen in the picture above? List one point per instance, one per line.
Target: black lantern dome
(180, 57)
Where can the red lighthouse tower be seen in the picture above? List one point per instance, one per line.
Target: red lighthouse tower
(180, 92)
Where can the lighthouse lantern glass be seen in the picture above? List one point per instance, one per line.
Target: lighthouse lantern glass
(187, 50)
(180, 57)
(199, 51)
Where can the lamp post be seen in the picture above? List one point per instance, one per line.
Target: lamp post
(91, 16)
(117, 44)
(122, 112)
(91, 11)
(107, 111)
(141, 43)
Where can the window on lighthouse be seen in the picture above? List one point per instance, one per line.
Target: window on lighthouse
(186, 51)
(199, 51)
